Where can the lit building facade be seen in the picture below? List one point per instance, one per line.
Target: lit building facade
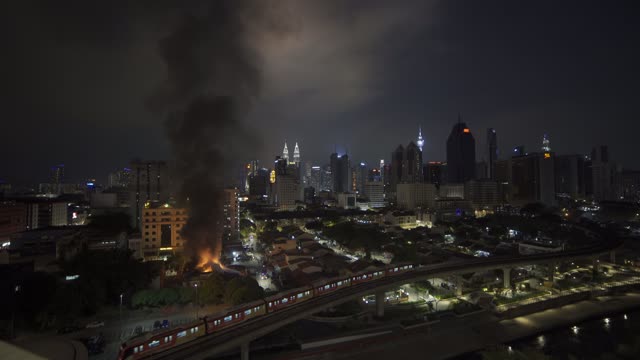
(231, 214)
(160, 229)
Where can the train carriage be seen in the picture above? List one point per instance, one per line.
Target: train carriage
(367, 276)
(288, 298)
(322, 287)
(235, 315)
(398, 268)
(157, 341)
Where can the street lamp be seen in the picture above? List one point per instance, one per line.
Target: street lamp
(196, 285)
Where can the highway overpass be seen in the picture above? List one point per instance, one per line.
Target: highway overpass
(241, 335)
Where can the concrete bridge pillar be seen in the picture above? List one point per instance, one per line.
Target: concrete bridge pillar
(380, 304)
(244, 351)
(506, 277)
(612, 256)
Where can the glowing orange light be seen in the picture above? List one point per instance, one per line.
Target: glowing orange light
(466, 130)
(207, 260)
(547, 155)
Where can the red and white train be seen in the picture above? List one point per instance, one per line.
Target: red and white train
(160, 340)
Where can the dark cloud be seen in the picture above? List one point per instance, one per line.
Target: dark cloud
(360, 75)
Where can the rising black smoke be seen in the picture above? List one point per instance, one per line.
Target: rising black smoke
(213, 78)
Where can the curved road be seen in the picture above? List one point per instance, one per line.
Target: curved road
(232, 338)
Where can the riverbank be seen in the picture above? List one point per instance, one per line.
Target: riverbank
(455, 337)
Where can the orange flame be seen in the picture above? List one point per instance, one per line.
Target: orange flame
(207, 261)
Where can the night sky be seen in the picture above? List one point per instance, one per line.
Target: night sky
(77, 79)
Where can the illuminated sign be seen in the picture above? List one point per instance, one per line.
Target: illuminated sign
(466, 130)
(71, 277)
(166, 248)
(272, 177)
(547, 155)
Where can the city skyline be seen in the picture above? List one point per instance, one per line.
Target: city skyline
(388, 70)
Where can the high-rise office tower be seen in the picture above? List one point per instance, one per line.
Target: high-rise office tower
(461, 154)
(326, 178)
(56, 178)
(296, 154)
(492, 152)
(382, 178)
(340, 173)
(285, 152)
(119, 178)
(420, 141)
(362, 174)
(533, 178)
(231, 215)
(395, 173)
(149, 183)
(315, 180)
(412, 164)
(605, 175)
(569, 175)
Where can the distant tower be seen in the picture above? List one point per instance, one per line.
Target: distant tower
(492, 152)
(285, 152)
(420, 141)
(461, 154)
(296, 154)
(546, 146)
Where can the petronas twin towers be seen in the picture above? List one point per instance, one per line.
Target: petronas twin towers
(296, 154)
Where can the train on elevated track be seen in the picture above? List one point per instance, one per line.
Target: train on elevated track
(151, 343)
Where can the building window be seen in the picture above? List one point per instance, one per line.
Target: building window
(146, 233)
(146, 226)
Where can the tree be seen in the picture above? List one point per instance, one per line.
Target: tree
(212, 290)
(241, 290)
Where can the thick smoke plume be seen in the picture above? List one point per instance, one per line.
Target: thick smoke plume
(213, 78)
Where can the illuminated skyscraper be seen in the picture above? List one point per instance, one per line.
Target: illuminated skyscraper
(420, 141)
(296, 154)
(340, 173)
(461, 154)
(546, 145)
(285, 152)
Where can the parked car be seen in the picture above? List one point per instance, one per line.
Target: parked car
(157, 325)
(95, 324)
(165, 323)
